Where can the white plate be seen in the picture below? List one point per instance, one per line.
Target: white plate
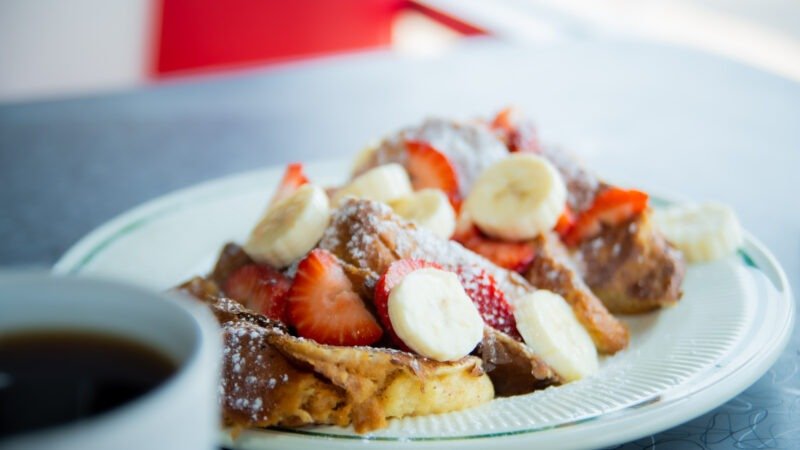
(733, 322)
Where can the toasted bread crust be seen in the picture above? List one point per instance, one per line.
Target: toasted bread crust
(471, 148)
(512, 366)
(383, 383)
(632, 268)
(552, 270)
(368, 235)
(272, 378)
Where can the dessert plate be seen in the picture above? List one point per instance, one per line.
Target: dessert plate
(732, 323)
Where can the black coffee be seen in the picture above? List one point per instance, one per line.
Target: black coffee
(52, 378)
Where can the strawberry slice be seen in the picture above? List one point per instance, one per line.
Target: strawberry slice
(293, 178)
(429, 168)
(519, 136)
(509, 255)
(565, 222)
(260, 288)
(391, 278)
(324, 306)
(491, 302)
(611, 207)
(505, 119)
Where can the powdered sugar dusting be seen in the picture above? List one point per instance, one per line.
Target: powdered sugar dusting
(360, 222)
(582, 185)
(470, 147)
(240, 390)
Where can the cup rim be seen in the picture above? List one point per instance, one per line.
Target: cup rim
(203, 346)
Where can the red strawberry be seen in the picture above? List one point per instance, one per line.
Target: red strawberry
(391, 278)
(491, 302)
(429, 168)
(260, 288)
(292, 179)
(509, 255)
(611, 207)
(565, 222)
(324, 306)
(519, 136)
(505, 119)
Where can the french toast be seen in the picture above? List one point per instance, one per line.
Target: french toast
(630, 266)
(471, 147)
(411, 291)
(553, 269)
(271, 378)
(367, 234)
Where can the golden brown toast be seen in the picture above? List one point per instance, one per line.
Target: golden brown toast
(367, 234)
(513, 368)
(272, 378)
(651, 276)
(368, 237)
(631, 267)
(553, 270)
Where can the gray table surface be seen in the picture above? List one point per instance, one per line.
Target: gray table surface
(658, 117)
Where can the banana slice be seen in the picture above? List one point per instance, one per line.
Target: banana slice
(432, 314)
(550, 329)
(428, 208)
(383, 183)
(290, 228)
(703, 232)
(517, 198)
(363, 157)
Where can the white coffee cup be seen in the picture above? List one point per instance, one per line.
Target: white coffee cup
(182, 412)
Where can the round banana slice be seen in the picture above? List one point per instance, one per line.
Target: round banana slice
(290, 228)
(433, 316)
(383, 183)
(428, 208)
(549, 327)
(703, 232)
(517, 198)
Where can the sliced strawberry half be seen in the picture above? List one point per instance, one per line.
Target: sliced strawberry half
(391, 278)
(611, 207)
(518, 135)
(491, 302)
(293, 178)
(505, 119)
(324, 306)
(515, 256)
(430, 168)
(565, 222)
(260, 288)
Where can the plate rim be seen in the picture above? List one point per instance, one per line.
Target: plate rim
(90, 245)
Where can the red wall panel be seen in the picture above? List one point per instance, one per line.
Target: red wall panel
(198, 34)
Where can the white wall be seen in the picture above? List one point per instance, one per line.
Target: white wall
(65, 47)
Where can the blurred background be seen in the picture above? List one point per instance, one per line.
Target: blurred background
(54, 49)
